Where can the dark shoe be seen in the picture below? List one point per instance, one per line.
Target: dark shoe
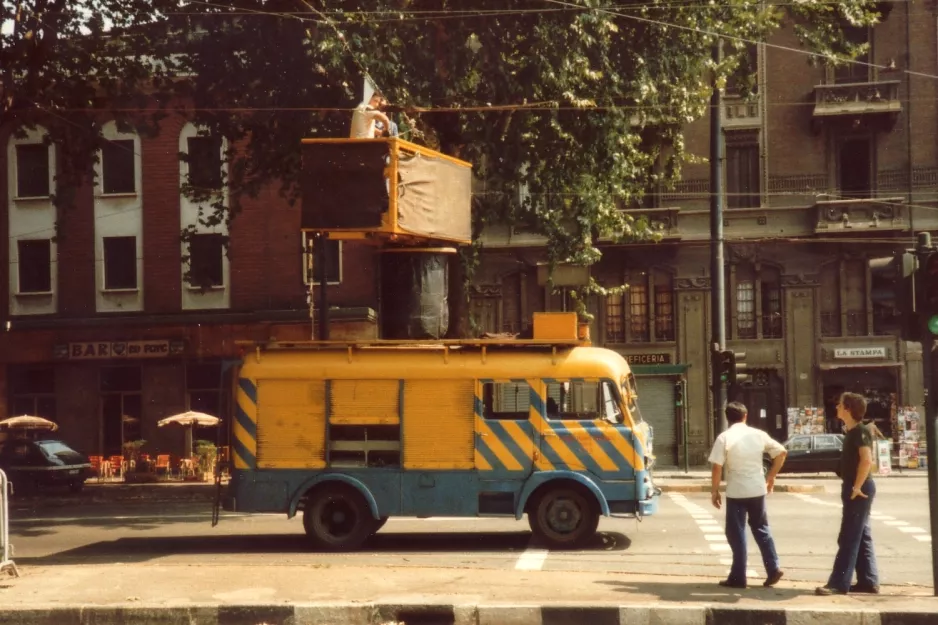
(869, 590)
(773, 578)
(827, 590)
(728, 584)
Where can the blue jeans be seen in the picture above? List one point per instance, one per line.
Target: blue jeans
(736, 512)
(855, 542)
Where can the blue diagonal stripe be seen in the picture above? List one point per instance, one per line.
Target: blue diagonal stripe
(249, 389)
(246, 455)
(487, 453)
(575, 446)
(478, 406)
(535, 400)
(499, 430)
(621, 461)
(245, 422)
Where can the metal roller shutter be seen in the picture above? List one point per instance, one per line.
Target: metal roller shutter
(656, 401)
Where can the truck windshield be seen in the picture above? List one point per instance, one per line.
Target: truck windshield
(631, 398)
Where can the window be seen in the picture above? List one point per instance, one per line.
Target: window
(204, 162)
(582, 400)
(35, 265)
(506, 400)
(744, 80)
(615, 326)
(829, 294)
(32, 392)
(120, 263)
(855, 167)
(746, 309)
(799, 443)
(206, 268)
(638, 313)
(858, 70)
(754, 295)
(827, 442)
(333, 261)
(743, 188)
(771, 304)
(121, 407)
(631, 317)
(117, 163)
(664, 312)
(855, 293)
(32, 170)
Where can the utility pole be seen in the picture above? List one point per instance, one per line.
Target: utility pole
(927, 326)
(322, 258)
(717, 275)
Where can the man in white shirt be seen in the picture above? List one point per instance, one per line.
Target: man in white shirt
(365, 116)
(738, 453)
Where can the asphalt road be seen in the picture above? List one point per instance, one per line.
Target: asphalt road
(685, 537)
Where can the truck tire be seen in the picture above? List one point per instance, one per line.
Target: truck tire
(564, 517)
(337, 518)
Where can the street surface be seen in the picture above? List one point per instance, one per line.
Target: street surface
(684, 538)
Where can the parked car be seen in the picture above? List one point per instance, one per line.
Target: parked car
(812, 453)
(33, 464)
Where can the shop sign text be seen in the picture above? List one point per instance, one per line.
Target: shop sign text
(118, 349)
(648, 359)
(860, 352)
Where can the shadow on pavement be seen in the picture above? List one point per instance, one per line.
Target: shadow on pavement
(143, 549)
(708, 592)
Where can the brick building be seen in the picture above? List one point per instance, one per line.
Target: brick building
(103, 331)
(824, 169)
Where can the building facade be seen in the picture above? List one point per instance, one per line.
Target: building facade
(824, 169)
(111, 321)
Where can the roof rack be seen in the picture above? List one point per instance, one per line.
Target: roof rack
(413, 344)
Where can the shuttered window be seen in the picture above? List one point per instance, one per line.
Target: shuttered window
(439, 424)
(291, 424)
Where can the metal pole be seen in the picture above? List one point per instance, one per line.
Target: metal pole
(929, 369)
(717, 276)
(321, 273)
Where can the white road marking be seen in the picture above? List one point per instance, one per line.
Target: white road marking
(719, 547)
(715, 537)
(922, 537)
(531, 560)
(896, 523)
(912, 530)
(882, 517)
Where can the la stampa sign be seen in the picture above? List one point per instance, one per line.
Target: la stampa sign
(860, 352)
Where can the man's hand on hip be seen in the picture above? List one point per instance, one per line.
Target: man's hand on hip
(769, 484)
(716, 499)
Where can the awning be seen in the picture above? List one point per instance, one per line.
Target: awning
(826, 366)
(676, 369)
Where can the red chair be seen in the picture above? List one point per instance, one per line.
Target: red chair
(162, 462)
(96, 462)
(117, 465)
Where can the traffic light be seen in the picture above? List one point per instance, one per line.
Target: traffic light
(928, 274)
(679, 393)
(893, 293)
(732, 367)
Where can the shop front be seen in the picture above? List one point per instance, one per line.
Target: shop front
(656, 377)
(871, 370)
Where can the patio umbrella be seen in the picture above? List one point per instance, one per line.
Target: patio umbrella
(28, 422)
(189, 420)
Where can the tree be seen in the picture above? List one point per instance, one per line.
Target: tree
(582, 103)
(69, 63)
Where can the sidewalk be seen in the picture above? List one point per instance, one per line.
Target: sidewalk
(144, 594)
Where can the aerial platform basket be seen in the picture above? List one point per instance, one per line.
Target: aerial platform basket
(386, 189)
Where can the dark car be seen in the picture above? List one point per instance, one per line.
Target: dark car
(812, 453)
(33, 464)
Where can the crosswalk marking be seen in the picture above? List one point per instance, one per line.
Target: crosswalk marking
(911, 530)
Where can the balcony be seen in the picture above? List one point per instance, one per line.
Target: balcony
(853, 99)
(858, 215)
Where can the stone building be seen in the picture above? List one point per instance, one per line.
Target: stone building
(825, 168)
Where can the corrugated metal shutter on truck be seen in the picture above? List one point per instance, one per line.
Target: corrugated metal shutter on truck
(291, 424)
(439, 422)
(356, 402)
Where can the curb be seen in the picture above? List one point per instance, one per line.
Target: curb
(705, 488)
(449, 614)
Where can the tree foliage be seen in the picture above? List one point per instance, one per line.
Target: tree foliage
(69, 64)
(582, 104)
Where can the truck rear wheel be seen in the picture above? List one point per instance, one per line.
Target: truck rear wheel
(337, 518)
(564, 517)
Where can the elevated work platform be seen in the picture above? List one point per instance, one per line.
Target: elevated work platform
(387, 190)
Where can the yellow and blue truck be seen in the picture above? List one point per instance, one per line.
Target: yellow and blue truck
(350, 434)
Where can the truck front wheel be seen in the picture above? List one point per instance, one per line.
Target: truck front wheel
(564, 517)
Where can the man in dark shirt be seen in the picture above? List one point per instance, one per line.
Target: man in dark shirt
(855, 542)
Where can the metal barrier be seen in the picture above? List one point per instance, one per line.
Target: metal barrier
(6, 564)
